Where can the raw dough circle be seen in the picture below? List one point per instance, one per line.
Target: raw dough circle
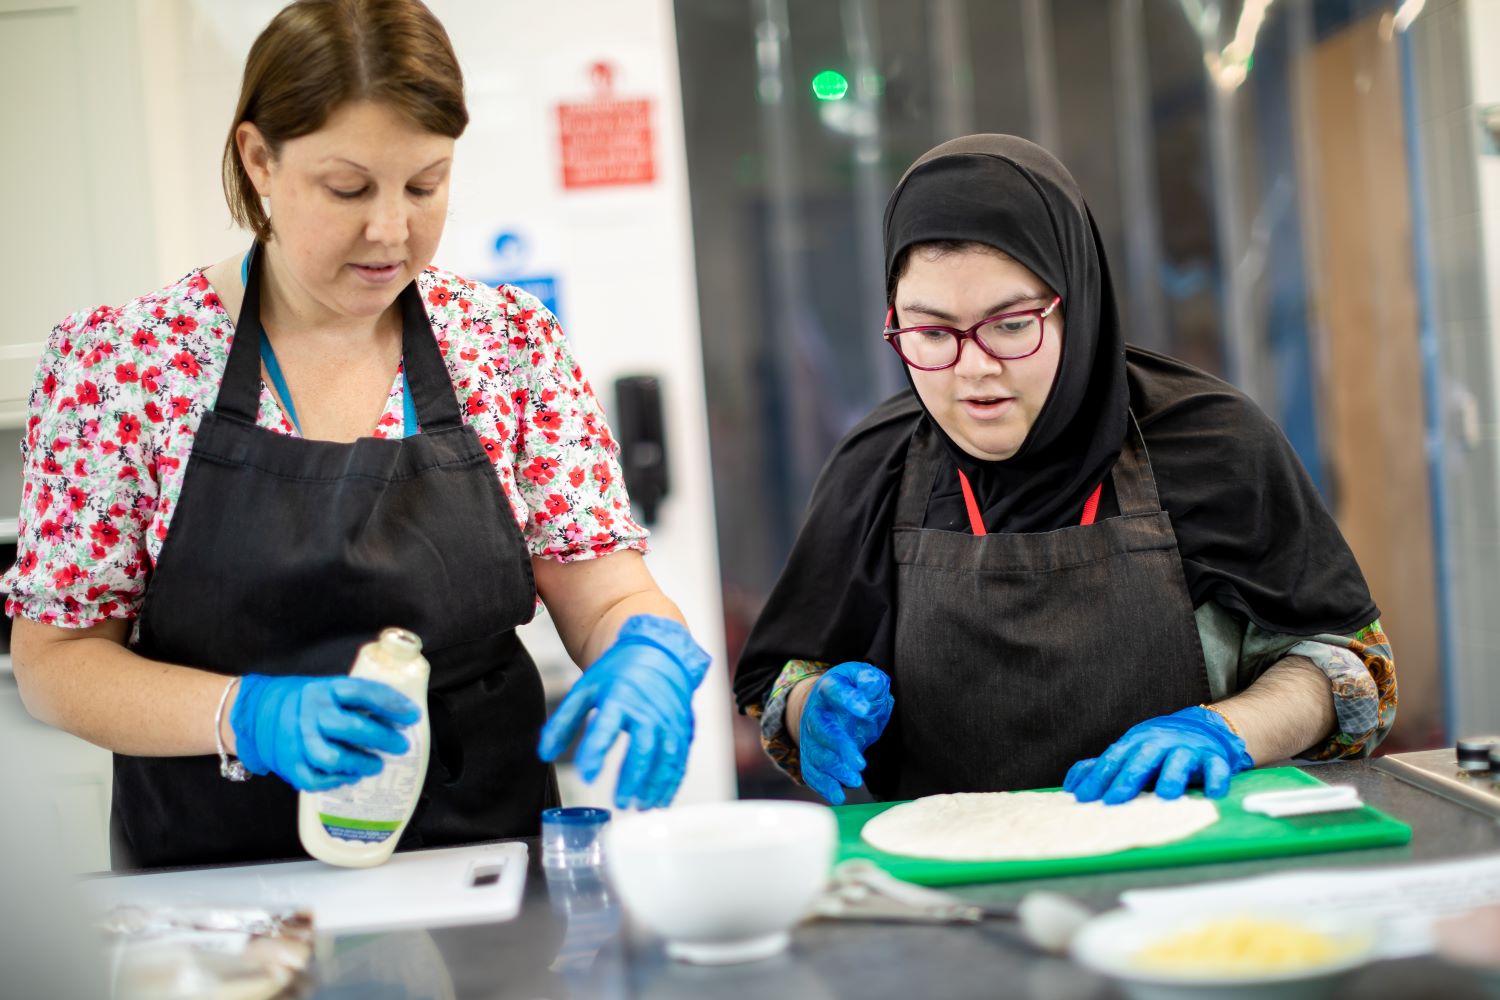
(1024, 826)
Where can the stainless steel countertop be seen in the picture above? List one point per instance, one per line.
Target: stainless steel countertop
(542, 954)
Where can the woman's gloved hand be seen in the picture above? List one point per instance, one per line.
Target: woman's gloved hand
(1177, 750)
(846, 711)
(317, 733)
(643, 685)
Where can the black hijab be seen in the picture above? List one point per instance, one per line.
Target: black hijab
(1010, 194)
(1252, 531)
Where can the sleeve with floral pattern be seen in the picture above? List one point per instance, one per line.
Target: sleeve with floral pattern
(88, 488)
(1362, 671)
(566, 459)
(775, 736)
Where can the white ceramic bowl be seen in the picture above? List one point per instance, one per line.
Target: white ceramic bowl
(1110, 944)
(722, 882)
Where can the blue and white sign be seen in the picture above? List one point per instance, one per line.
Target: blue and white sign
(509, 267)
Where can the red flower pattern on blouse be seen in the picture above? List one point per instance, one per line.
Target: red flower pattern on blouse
(121, 393)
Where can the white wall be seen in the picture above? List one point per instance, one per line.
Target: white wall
(70, 176)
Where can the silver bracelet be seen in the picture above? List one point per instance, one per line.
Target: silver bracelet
(234, 770)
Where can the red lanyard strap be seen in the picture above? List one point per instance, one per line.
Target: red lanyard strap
(1091, 505)
(976, 522)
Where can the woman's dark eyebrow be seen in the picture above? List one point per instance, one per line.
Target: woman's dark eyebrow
(994, 310)
(364, 169)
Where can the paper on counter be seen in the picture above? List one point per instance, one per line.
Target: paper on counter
(1402, 901)
(207, 954)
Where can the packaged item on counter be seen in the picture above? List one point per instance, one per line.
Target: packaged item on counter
(207, 953)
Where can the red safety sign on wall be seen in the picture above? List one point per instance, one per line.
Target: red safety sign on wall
(606, 141)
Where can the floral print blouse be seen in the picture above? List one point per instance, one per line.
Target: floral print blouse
(120, 392)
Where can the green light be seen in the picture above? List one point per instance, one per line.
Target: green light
(830, 85)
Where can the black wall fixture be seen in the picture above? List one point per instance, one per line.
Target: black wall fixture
(641, 431)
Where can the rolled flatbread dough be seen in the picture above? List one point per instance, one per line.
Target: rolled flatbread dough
(1016, 826)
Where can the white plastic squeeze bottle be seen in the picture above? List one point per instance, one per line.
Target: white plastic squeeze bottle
(358, 825)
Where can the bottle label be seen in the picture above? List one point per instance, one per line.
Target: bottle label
(363, 830)
(372, 809)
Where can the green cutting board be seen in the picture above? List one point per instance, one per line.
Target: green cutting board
(1237, 836)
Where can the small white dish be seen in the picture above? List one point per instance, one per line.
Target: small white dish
(1112, 944)
(722, 882)
(1303, 801)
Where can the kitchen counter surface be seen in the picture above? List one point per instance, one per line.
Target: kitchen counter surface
(570, 940)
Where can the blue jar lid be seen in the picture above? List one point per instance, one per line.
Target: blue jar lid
(575, 815)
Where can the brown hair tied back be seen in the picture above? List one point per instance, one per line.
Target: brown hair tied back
(317, 55)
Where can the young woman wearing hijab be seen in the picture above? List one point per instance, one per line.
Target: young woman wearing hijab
(1053, 539)
(233, 482)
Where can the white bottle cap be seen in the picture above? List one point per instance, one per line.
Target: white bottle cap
(400, 645)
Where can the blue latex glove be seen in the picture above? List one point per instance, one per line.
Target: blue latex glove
(317, 733)
(847, 710)
(642, 686)
(1177, 750)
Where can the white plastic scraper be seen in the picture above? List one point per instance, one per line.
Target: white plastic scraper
(1300, 801)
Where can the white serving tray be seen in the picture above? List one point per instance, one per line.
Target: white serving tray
(436, 888)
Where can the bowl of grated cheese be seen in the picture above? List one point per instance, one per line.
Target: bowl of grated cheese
(1252, 955)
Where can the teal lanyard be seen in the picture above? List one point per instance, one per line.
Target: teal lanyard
(273, 368)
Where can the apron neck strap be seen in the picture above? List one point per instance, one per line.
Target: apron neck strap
(429, 389)
(976, 519)
(1135, 486)
(429, 394)
(239, 392)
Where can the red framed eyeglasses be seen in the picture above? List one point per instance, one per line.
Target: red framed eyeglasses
(1009, 336)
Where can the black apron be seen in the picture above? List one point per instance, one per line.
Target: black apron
(285, 555)
(1018, 654)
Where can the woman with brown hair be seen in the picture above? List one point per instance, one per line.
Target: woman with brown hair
(234, 481)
